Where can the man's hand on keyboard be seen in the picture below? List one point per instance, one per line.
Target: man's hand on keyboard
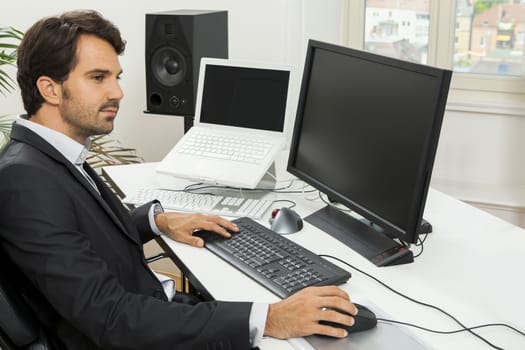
(180, 226)
(299, 314)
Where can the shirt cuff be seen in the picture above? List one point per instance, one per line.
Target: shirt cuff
(155, 209)
(257, 323)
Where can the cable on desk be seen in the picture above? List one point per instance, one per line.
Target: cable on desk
(465, 328)
(284, 189)
(332, 204)
(293, 204)
(420, 243)
(454, 331)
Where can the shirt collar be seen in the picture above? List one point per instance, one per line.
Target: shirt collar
(73, 151)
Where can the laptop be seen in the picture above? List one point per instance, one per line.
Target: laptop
(238, 127)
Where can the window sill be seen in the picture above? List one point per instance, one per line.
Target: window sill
(507, 109)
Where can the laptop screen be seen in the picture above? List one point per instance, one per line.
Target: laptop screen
(244, 97)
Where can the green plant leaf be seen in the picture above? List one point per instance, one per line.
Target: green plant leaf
(9, 41)
(5, 129)
(106, 151)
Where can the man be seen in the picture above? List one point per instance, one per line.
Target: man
(77, 250)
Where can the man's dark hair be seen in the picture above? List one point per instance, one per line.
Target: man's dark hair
(49, 48)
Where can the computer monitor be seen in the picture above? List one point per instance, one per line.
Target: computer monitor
(365, 134)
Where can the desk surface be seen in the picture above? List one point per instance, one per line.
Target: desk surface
(471, 267)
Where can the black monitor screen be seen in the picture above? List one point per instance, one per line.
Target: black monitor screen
(366, 132)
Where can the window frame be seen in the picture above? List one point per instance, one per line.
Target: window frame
(471, 89)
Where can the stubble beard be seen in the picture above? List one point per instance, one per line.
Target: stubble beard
(84, 119)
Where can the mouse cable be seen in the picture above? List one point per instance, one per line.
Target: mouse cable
(454, 331)
(419, 302)
(195, 187)
(201, 186)
(293, 204)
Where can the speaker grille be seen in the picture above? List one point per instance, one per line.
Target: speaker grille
(169, 66)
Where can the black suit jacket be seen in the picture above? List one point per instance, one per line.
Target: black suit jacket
(81, 266)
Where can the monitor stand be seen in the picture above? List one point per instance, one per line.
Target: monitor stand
(367, 240)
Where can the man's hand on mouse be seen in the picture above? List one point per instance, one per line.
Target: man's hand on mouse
(180, 226)
(299, 314)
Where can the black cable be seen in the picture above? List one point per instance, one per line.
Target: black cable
(328, 202)
(421, 244)
(416, 301)
(424, 239)
(285, 200)
(420, 252)
(192, 188)
(283, 189)
(454, 331)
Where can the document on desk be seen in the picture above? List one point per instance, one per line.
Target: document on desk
(384, 336)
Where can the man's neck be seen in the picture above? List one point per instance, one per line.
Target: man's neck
(50, 118)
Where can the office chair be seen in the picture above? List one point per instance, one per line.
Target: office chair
(19, 326)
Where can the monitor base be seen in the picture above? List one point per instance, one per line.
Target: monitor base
(367, 240)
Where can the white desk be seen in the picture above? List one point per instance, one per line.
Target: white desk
(471, 267)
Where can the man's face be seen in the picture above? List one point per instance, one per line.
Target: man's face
(91, 94)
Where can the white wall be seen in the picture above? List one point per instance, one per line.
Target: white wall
(270, 30)
(481, 160)
(482, 148)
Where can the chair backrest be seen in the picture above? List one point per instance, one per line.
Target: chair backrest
(19, 326)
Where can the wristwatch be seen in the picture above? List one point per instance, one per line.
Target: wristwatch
(157, 208)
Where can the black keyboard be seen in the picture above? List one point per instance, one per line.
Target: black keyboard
(280, 265)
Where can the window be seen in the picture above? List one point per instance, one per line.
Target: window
(387, 29)
(481, 40)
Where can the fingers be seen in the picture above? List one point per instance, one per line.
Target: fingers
(193, 241)
(328, 291)
(331, 297)
(215, 224)
(180, 226)
(335, 316)
(301, 313)
(330, 331)
(227, 224)
(338, 304)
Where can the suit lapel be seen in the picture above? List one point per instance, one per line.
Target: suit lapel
(109, 199)
(22, 134)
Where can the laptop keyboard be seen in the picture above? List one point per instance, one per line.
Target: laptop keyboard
(277, 263)
(230, 147)
(201, 203)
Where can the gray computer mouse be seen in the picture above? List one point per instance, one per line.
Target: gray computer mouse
(287, 221)
(364, 320)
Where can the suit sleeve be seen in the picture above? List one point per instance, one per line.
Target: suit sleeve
(39, 232)
(139, 216)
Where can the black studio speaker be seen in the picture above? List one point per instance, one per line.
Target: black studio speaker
(175, 43)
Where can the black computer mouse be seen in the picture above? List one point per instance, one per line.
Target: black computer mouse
(287, 221)
(364, 320)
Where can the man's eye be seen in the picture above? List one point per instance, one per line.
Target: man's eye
(98, 77)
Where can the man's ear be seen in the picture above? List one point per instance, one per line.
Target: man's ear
(49, 89)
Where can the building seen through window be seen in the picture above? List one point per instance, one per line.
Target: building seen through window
(489, 34)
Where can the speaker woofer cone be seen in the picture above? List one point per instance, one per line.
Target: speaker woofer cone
(168, 66)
